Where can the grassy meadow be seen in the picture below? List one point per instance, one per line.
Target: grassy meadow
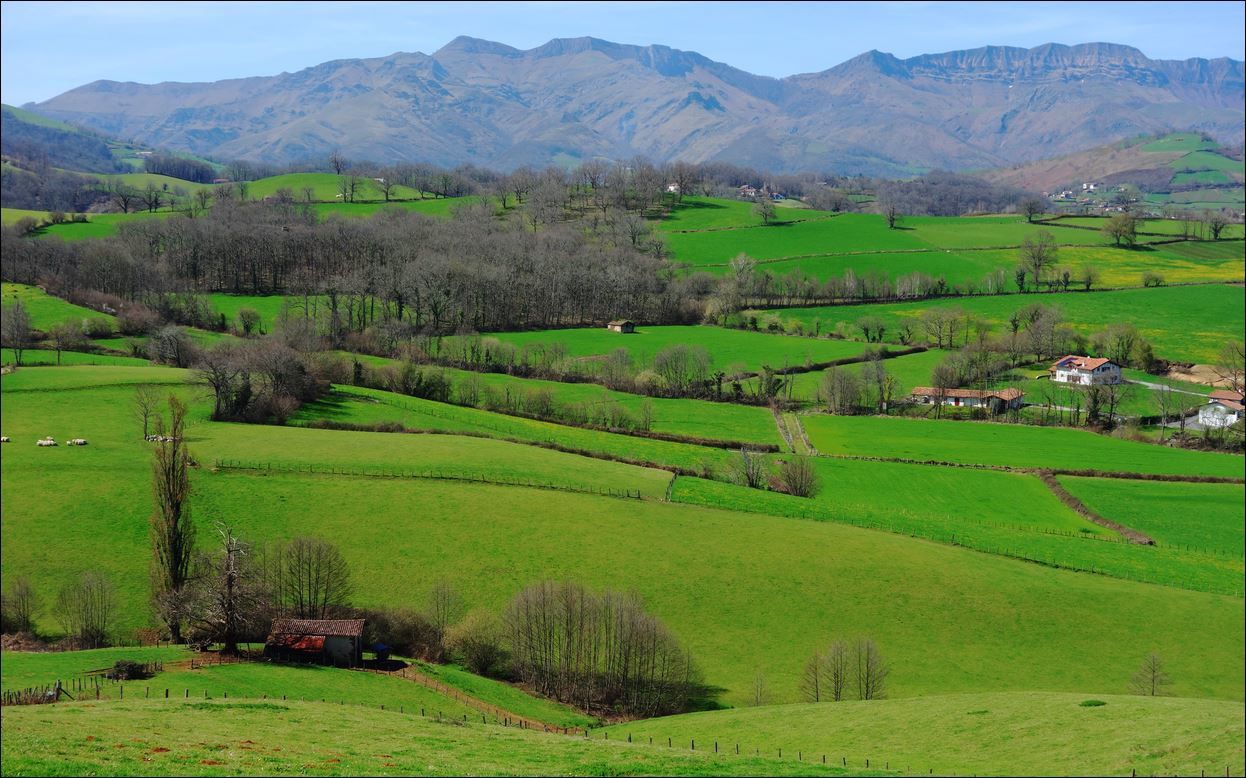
(1188, 323)
(730, 350)
(982, 734)
(1007, 444)
(1011, 625)
(264, 737)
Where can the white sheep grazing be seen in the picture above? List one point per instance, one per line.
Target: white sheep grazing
(78, 442)
(4, 438)
(46, 442)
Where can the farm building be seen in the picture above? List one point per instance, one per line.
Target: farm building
(337, 642)
(622, 325)
(1085, 370)
(1223, 409)
(747, 191)
(998, 400)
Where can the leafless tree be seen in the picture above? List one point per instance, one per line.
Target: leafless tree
(1216, 221)
(313, 579)
(20, 605)
(338, 162)
(749, 469)
(15, 329)
(1088, 276)
(66, 336)
(1038, 254)
(811, 679)
(1122, 228)
(761, 690)
(171, 530)
(146, 400)
(1031, 207)
(85, 609)
(869, 670)
(1150, 680)
(836, 668)
(597, 650)
(1230, 365)
(798, 476)
(764, 208)
(841, 390)
(445, 608)
(228, 596)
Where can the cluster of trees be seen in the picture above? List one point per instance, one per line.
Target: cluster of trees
(845, 670)
(847, 391)
(255, 380)
(940, 193)
(794, 475)
(596, 650)
(179, 167)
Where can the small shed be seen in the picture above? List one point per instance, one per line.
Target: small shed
(997, 400)
(337, 642)
(626, 326)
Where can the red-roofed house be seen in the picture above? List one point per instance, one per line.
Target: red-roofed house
(1223, 409)
(998, 400)
(1085, 370)
(337, 642)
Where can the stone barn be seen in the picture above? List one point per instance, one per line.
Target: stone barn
(337, 642)
(622, 325)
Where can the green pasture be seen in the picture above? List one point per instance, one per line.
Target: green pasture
(1209, 160)
(863, 234)
(325, 187)
(1188, 323)
(1018, 519)
(1014, 445)
(733, 351)
(356, 405)
(48, 357)
(100, 225)
(46, 310)
(1033, 733)
(1201, 177)
(1173, 227)
(265, 737)
(1202, 516)
(1183, 142)
(711, 213)
(10, 216)
(691, 418)
(26, 669)
(1011, 625)
(507, 697)
(269, 307)
(142, 180)
(909, 371)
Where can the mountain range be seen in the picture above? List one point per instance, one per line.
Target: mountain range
(475, 101)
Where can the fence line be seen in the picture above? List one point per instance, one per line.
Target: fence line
(438, 475)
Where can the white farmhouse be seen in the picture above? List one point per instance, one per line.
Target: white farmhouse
(1085, 370)
(1223, 409)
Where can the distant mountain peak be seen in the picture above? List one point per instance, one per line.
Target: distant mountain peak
(488, 103)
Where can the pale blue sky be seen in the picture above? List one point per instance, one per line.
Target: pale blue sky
(47, 48)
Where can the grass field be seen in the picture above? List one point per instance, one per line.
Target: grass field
(714, 213)
(164, 183)
(1179, 142)
(309, 738)
(1007, 444)
(730, 350)
(325, 187)
(1203, 516)
(1209, 160)
(46, 357)
(1035, 733)
(46, 310)
(1183, 323)
(1009, 625)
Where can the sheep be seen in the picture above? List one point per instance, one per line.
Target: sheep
(78, 442)
(45, 442)
(159, 438)
(4, 438)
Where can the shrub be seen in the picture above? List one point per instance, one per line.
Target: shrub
(478, 641)
(127, 670)
(97, 327)
(1092, 703)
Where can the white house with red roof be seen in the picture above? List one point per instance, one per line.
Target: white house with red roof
(1084, 371)
(1223, 409)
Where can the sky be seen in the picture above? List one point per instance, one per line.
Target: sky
(48, 48)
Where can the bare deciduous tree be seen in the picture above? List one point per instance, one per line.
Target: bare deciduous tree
(313, 579)
(15, 329)
(146, 399)
(20, 605)
(1150, 680)
(798, 476)
(171, 530)
(749, 469)
(869, 670)
(85, 609)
